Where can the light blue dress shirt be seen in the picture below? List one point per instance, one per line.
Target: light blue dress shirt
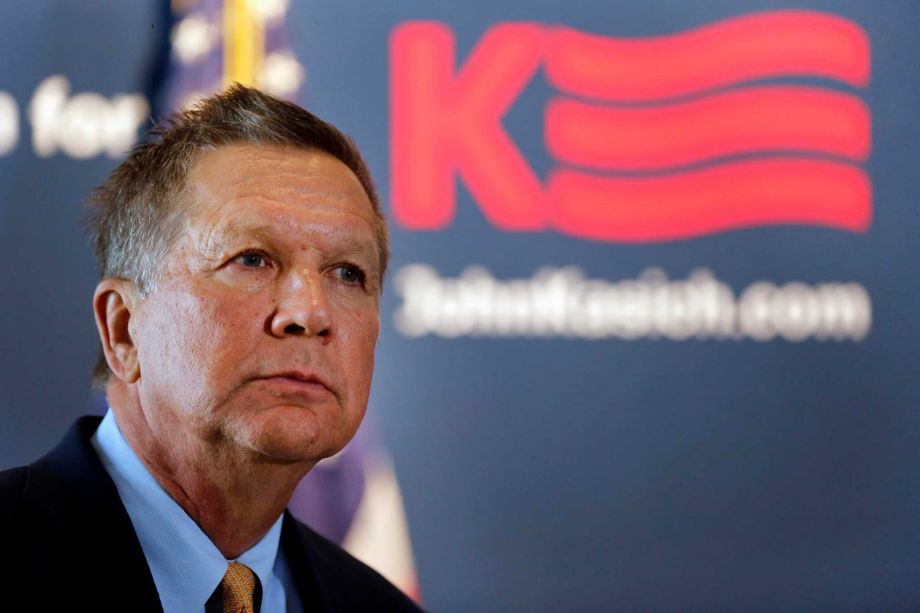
(186, 566)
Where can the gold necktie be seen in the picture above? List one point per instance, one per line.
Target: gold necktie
(238, 586)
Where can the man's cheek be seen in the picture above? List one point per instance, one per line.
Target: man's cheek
(360, 329)
(225, 341)
(359, 356)
(236, 312)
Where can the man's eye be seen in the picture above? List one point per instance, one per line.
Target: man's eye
(251, 259)
(350, 274)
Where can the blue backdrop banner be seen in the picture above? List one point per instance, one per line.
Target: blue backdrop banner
(647, 339)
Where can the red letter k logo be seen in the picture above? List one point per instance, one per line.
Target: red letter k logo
(443, 123)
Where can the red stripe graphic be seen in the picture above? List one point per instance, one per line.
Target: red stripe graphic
(757, 46)
(728, 197)
(749, 120)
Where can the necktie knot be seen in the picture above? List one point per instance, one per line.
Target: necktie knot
(238, 587)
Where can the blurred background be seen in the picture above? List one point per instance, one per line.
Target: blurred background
(648, 340)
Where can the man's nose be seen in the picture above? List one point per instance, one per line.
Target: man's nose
(303, 308)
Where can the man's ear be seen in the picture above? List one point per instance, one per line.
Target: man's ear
(113, 303)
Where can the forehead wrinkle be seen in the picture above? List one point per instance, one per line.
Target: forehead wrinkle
(209, 192)
(294, 181)
(309, 198)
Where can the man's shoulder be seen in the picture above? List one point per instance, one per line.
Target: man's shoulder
(346, 581)
(68, 472)
(64, 505)
(12, 486)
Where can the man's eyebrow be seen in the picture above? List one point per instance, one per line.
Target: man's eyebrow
(242, 232)
(238, 232)
(222, 237)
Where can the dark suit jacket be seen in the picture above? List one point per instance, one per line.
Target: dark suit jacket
(66, 539)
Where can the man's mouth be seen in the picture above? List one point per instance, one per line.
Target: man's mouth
(297, 382)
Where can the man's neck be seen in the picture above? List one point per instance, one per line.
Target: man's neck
(233, 495)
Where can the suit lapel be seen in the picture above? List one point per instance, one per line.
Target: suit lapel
(300, 554)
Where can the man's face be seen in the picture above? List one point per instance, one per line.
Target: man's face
(261, 329)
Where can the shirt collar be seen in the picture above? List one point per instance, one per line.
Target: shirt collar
(185, 564)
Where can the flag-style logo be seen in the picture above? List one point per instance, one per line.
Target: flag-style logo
(750, 121)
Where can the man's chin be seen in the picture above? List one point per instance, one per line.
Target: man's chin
(291, 433)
